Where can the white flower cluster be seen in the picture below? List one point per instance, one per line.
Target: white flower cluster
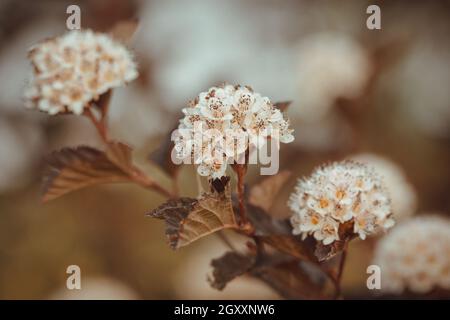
(230, 119)
(415, 256)
(339, 193)
(72, 70)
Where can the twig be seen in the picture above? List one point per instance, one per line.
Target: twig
(99, 125)
(241, 197)
(260, 250)
(200, 188)
(340, 271)
(136, 175)
(140, 178)
(175, 184)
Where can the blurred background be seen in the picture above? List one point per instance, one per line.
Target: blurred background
(379, 95)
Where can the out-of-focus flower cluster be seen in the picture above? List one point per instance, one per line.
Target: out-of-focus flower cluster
(415, 256)
(195, 24)
(330, 66)
(401, 192)
(415, 85)
(230, 120)
(336, 194)
(72, 70)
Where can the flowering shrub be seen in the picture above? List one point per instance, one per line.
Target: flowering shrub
(77, 72)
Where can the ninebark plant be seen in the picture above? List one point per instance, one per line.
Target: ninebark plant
(297, 259)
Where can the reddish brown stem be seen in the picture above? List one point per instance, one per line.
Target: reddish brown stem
(162, 190)
(261, 251)
(340, 271)
(140, 178)
(137, 175)
(103, 105)
(99, 125)
(241, 197)
(175, 185)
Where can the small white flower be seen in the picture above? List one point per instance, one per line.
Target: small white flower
(241, 119)
(336, 194)
(285, 132)
(73, 70)
(312, 221)
(328, 232)
(415, 256)
(365, 224)
(236, 142)
(216, 108)
(192, 115)
(212, 167)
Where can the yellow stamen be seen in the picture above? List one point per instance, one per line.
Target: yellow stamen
(323, 203)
